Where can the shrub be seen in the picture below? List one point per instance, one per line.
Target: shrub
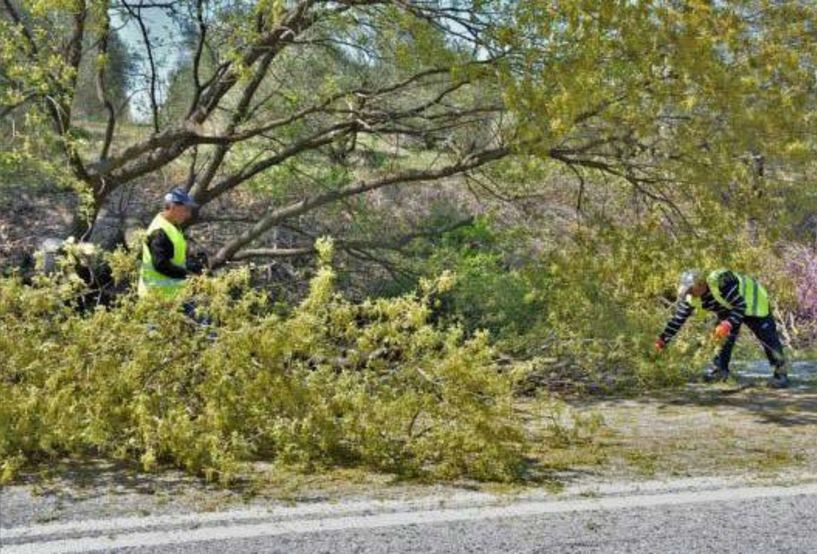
(611, 293)
(801, 265)
(332, 383)
(490, 295)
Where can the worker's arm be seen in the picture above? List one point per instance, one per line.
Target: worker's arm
(682, 312)
(161, 249)
(730, 290)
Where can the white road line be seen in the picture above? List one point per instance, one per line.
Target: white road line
(91, 526)
(274, 528)
(460, 499)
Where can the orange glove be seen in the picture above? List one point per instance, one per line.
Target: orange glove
(660, 344)
(723, 330)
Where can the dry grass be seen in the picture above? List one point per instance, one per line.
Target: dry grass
(702, 431)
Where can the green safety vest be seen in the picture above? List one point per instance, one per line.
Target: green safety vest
(755, 295)
(149, 278)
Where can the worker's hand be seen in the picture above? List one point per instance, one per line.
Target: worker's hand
(197, 263)
(194, 266)
(723, 330)
(660, 344)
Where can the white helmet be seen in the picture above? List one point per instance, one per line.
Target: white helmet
(689, 279)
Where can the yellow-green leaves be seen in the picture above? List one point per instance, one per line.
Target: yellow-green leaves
(271, 10)
(332, 383)
(702, 83)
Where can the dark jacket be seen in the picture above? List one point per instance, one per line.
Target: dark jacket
(161, 249)
(730, 291)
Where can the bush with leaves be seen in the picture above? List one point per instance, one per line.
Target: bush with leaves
(490, 294)
(331, 383)
(612, 292)
(801, 265)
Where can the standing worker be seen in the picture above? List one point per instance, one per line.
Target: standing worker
(165, 265)
(736, 299)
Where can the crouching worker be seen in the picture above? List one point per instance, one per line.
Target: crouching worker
(736, 299)
(165, 265)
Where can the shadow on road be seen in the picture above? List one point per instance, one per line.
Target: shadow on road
(790, 407)
(77, 480)
(747, 391)
(794, 406)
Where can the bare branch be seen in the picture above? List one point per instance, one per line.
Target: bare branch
(156, 159)
(101, 91)
(323, 105)
(241, 112)
(320, 138)
(198, 88)
(131, 154)
(274, 253)
(390, 243)
(159, 151)
(640, 184)
(61, 109)
(191, 174)
(11, 107)
(296, 20)
(582, 184)
(154, 105)
(310, 203)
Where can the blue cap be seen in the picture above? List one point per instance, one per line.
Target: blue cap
(179, 196)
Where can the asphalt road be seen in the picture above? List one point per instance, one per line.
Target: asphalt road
(736, 519)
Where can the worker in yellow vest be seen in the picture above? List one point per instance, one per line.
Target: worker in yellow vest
(165, 264)
(736, 299)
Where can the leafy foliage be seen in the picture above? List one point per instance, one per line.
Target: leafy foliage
(489, 295)
(693, 104)
(679, 100)
(680, 125)
(606, 290)
(332, 383)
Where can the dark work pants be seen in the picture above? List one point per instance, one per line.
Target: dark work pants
(765, 330)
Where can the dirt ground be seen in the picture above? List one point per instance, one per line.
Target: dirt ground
(696, 431)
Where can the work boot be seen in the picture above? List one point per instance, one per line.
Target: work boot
(780, 380)
(714, 374)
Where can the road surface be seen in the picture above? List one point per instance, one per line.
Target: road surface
(725, 519)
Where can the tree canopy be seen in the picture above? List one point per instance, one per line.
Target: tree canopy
(690, 104)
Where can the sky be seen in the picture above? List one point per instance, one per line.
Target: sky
(167, 50)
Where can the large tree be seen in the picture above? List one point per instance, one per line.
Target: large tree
(290, 96)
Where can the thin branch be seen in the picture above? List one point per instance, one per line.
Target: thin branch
(162, 147)
(296, 20)
(580, 195)
(322, 105)
(101, 90)
(191, 174)
(395, 243)
(60, 110)
(11, 107)
(197, 56)
(274, 253)
(200, 187)
(310, 203)
(320, 138)
(154, 105)
(626, 173)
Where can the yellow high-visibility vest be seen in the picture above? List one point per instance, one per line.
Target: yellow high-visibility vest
(149, 278)
(755, 295)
